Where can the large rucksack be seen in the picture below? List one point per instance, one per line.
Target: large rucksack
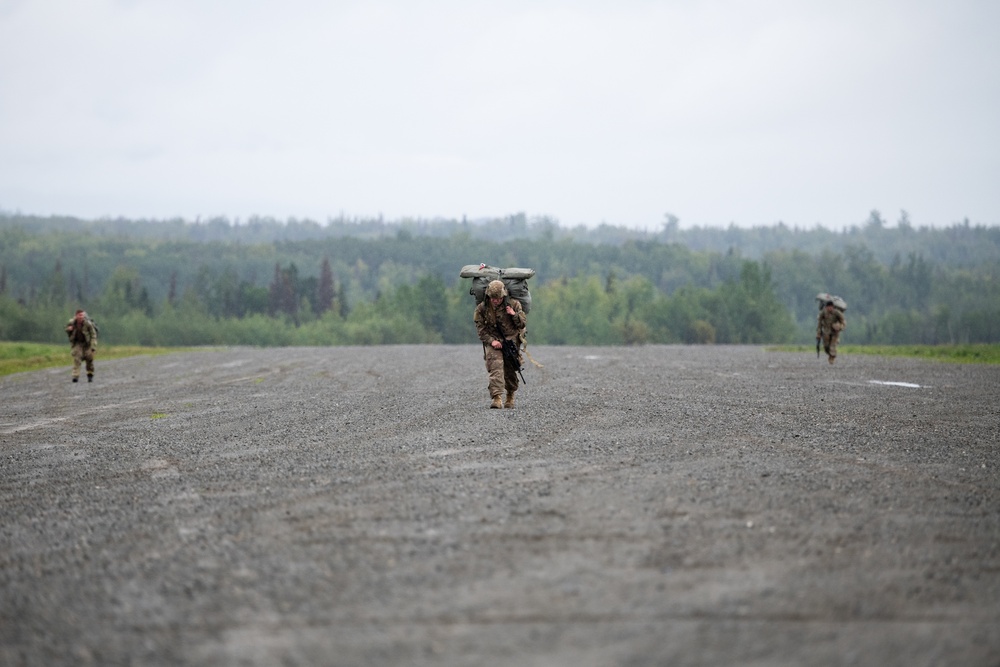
(838, 303)
(515, 280)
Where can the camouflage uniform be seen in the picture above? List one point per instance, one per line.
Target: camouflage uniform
(829, 324)
(82, 336)
(488, 318)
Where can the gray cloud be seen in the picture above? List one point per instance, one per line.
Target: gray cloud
(716, 111)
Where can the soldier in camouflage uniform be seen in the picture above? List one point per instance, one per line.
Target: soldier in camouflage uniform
(500, 316)
(82, 334)
(829, 324)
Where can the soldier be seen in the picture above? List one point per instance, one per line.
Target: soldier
(829, 324)
(82, 334)
(500, 318)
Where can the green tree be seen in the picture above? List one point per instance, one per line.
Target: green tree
(325, 290)
(124, 293)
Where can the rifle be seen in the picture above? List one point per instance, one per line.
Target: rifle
(509, 348)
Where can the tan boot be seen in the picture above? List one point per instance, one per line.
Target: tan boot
(832, 359)
(497, 403)
(509, 403)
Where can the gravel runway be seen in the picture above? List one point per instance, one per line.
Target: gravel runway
(659, 505)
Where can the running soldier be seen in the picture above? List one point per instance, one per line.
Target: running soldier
(829, 324)
(82, 334)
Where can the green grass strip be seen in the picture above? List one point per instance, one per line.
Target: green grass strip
(25, 357)
(985, 353)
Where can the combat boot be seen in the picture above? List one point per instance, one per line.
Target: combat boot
(497, 403)
(509, 403)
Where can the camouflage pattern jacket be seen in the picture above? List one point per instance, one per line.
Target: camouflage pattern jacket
(486, 318)
(830, 322)
(85, 334)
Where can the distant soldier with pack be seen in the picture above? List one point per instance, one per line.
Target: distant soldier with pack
(501, 322)
(830, 323)
(82, 334)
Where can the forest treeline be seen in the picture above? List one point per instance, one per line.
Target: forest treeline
(298, 282)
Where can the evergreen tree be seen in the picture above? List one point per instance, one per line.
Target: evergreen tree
(325, 291)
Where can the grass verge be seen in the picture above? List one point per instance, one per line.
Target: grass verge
(956, 354)
(23, 357)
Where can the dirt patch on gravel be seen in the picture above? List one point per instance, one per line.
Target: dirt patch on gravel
(362, 506)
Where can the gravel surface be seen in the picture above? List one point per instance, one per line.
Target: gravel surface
(659, 505)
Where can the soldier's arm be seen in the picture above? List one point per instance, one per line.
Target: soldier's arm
(484, 335)
(520, 317)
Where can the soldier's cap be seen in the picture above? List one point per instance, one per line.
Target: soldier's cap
(496, 289)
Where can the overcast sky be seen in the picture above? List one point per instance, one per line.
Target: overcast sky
(620, 111)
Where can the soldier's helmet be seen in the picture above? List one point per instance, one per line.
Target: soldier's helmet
(496, 290)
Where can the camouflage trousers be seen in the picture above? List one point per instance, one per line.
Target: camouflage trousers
(81, 354)
(502, 375)
(830, 343)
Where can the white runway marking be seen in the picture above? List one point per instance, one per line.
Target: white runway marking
(896, 384)
(40, 423)
(34, 424)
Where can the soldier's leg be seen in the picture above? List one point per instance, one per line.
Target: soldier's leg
(833, 346)
(89, 358)
(494, 367)
(510, 383)
(77, 353)
(510, 379)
